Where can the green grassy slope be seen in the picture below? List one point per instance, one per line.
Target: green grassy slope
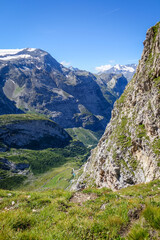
(14, 118)
(43, 165)
(132, 213)
(86, 136)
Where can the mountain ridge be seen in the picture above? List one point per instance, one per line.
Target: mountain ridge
(129, 151)
(127, 70)
(36, 82)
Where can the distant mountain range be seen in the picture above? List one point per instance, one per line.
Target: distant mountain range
(127, 70)
(33, 80)
(112, 85)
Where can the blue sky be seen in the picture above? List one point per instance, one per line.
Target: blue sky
(83, 33)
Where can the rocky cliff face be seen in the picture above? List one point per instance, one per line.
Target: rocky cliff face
(129, 151)
(6, 105)
(31, 132)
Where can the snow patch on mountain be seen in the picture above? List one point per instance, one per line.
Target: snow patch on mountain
(127, 70)
(24, 53)
(31, 49)
(128, 67)
(7, 58)
(124, 68)
(4, 52)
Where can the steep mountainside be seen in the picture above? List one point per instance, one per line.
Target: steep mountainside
(127, 70)
(38, 83)
(32, 132)
(129, 151)
(6, 105)
(112, 85)
(89, 138)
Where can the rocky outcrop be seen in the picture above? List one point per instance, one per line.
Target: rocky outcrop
(27, 131)
(129, 151)
(20, 168)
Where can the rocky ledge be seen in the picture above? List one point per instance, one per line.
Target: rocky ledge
(32, 132)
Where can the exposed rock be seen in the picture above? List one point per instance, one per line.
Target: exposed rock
(7, 106)
(112, 85)
(38, 83)
(19, 168)
(129, 151)
(80, 197)
(21, 131)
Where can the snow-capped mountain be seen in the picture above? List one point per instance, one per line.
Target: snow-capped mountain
(11, 54)
(127, 70)
(34, 81)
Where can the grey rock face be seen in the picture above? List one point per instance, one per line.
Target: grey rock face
(38, 83)
(7, 165)
(112, 85)
(129, 151)
(33, 134)
(7, 106)
(19, 168)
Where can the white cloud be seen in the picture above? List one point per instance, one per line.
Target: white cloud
(66, 64)
(103, 68)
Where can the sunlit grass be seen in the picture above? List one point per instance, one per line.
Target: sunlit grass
(50, 214)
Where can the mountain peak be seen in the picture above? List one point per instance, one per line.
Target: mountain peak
(37, 82)
(4, 52)
(127, 70)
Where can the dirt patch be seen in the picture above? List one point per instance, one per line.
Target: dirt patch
(134, 215)
(80, 197)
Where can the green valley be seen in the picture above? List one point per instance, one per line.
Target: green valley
(86, 136)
